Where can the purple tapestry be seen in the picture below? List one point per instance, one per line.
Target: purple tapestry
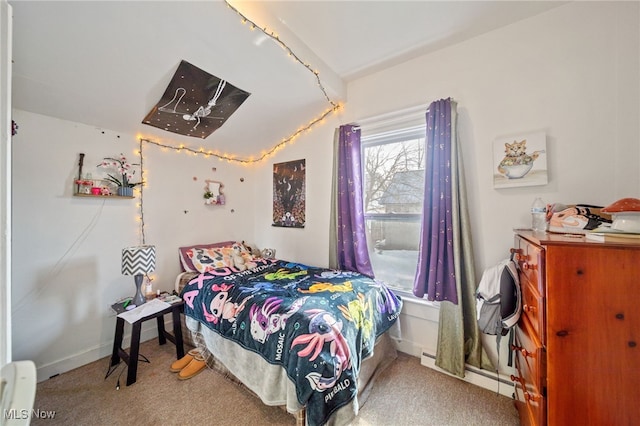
(289, 194)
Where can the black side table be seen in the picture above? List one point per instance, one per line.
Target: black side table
(131, 358)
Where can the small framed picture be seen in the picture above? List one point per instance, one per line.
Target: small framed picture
(289, 194)
(520, 160)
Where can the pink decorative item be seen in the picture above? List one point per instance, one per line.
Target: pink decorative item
(95, 190)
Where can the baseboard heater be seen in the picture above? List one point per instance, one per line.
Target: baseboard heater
(499, 383)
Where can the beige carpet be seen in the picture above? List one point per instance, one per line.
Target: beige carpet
(405, 394)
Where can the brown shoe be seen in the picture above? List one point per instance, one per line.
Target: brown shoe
(184, 361)
(196, 365)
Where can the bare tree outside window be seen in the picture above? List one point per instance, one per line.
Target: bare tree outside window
(393, 169)
(382, 162)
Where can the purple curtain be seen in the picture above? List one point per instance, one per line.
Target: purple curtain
(352, 253)
(435, 276)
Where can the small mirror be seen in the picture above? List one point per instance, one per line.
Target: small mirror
(213, 192)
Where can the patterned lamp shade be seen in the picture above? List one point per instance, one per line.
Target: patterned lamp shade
(138, 260)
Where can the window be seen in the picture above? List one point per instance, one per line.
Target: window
(393, 169)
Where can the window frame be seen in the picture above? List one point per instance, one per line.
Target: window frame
(398, 135)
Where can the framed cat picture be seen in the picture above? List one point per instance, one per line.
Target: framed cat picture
(520, 160)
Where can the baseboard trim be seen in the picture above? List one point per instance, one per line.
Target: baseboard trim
(45, 372)
(486, 379)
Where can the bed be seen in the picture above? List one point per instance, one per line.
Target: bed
(307, 338)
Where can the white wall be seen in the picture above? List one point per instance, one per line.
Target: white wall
(5, 186)
(572, 72)
(310, 244)
(66, 262)
(174, 210)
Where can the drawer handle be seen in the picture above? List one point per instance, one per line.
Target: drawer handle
(530, 397)
(517, 254)
(525, 353)
(529, 308)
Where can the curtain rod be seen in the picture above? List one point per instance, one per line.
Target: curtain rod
(391, 117)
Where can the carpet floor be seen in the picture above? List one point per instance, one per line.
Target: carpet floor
(406, 393)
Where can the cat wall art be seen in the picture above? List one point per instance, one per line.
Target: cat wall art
(520, 160)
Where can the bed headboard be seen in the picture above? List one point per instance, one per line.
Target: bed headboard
(185, 262)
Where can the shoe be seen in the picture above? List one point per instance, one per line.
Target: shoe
(196, 365)
(184, 361)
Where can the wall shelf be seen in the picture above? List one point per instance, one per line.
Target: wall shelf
(84, 187)
(101, 196)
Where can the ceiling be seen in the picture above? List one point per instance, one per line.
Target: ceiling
(107, 64)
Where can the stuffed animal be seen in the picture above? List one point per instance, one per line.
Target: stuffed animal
(253, 251)
(238, 260)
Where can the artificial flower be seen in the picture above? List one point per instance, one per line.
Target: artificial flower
(123, 169)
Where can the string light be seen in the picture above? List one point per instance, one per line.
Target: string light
(335, 107)
(287, 49)
(252, 159)
(264, 154)
(141, 207)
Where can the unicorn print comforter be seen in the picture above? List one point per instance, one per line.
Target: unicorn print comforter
(317, 324)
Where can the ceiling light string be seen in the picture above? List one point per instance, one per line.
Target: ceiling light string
(231, 158)
(335, 107)
(290, 52)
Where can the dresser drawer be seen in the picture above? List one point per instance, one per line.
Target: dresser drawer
(530, 358)
(530, 259)
(533, 308)
(531, 407)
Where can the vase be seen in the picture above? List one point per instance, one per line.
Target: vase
(125, 191)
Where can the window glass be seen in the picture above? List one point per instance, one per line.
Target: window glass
(393, 170)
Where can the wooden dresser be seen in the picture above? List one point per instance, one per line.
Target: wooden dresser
(577, 345)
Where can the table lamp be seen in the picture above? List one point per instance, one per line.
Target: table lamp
(138, 261)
